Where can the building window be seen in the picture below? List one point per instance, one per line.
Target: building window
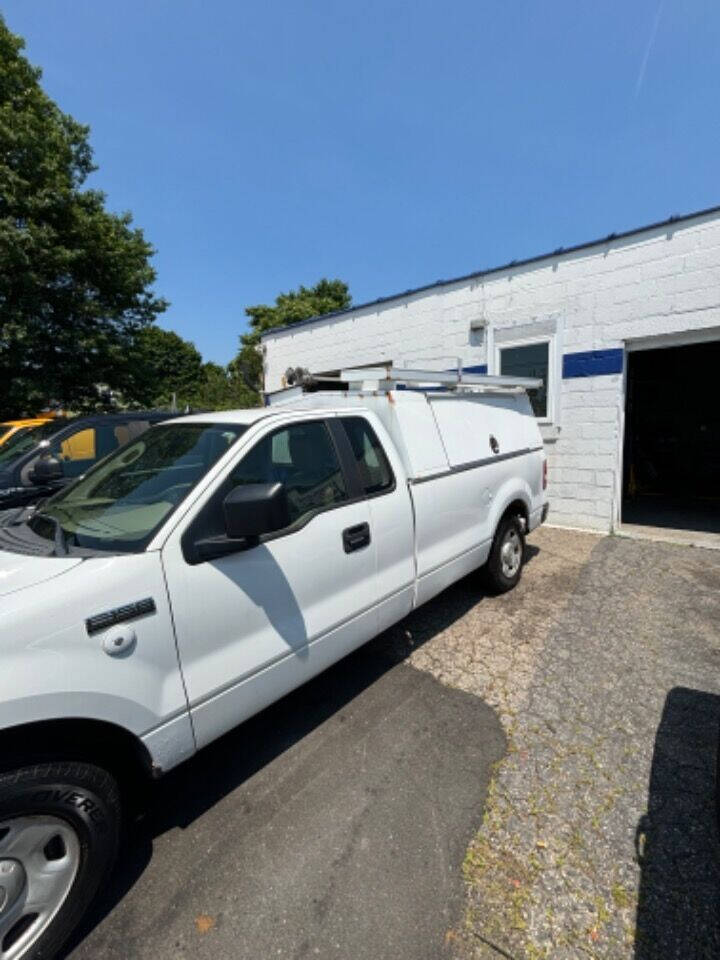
(530, 360)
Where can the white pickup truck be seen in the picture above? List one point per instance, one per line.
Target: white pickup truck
(210, 566)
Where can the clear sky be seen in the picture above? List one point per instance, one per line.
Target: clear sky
(390, 143)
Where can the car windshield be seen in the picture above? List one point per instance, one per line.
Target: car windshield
(120, 503)
(27, 438)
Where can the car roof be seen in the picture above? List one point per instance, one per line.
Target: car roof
(65, 426)
(128, 415)
(93, 419)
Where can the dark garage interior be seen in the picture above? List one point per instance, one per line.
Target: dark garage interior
(671, 475)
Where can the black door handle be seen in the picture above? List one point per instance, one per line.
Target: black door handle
(357, 537)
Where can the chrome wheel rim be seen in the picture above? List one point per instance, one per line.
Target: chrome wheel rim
(39, 860)
(511, 553)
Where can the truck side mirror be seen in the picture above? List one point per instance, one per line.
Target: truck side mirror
(249, 511)
(253, 509)
(47, 470)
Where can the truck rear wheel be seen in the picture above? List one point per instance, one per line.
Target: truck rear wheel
(504, 565)
(59, 826)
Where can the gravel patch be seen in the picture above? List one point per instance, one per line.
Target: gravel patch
(599, 838)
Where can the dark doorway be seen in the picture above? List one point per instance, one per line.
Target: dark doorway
(671, 475)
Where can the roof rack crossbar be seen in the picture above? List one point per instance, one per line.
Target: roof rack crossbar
(448, 378)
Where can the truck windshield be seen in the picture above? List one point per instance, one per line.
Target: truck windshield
(120, 503)
(27, 439)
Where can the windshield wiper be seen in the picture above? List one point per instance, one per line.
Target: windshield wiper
(60, 541)
(61, 549)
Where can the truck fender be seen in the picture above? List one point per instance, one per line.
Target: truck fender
(513, 493)
(167, 744)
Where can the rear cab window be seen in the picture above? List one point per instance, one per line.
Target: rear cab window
(374, 469)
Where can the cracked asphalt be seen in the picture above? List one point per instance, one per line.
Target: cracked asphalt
(527, 776)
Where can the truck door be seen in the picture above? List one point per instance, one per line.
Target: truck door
(382, 479)
(255, 624)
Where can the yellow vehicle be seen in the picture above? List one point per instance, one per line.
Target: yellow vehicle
(15, 428)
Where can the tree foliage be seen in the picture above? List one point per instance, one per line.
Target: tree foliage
(161, 366)
(326, 296)
(75, 280)
(221, 389)
(166, 371)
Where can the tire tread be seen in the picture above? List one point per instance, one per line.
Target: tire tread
(100, 848)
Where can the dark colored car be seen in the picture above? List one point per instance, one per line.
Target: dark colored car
(44, 460)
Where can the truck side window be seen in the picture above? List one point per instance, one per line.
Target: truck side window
(375, 472)
(301, 456)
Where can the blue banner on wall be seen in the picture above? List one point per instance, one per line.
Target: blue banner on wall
(592, 363)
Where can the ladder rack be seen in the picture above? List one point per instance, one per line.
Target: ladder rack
(383, 379)
(386, 378)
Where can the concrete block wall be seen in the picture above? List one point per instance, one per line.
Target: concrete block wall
(654, 287)
(583, 458)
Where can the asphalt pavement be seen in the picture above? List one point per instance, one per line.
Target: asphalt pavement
(332, 825)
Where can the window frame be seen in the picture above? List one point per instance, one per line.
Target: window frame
(193, 531)
(353, 463)
(304, 519)
(552, 374)
(346, 459)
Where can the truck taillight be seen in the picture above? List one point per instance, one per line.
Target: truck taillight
(544, 474)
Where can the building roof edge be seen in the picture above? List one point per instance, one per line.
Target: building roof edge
(675, 219)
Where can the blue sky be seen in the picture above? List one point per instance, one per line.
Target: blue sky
(264, 145)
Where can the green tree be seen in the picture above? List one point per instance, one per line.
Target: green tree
(221, 389)
(163, 369)
(75, 280)
(159, 366)
(326, 296)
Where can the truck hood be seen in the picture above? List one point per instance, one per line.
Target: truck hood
(18, 572)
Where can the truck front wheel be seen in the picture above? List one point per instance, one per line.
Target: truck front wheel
(59, 827)
(504, 564)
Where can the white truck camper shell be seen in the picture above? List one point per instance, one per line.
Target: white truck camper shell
(440, 421)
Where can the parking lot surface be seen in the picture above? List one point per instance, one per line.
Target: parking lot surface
(332, 825)
(354, 820)
(599, 838)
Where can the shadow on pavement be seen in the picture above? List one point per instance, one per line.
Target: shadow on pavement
(678, 913)
(188, 792)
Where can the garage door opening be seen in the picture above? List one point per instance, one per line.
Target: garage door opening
(671, 476)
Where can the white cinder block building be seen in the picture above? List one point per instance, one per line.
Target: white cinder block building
(625, 333)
